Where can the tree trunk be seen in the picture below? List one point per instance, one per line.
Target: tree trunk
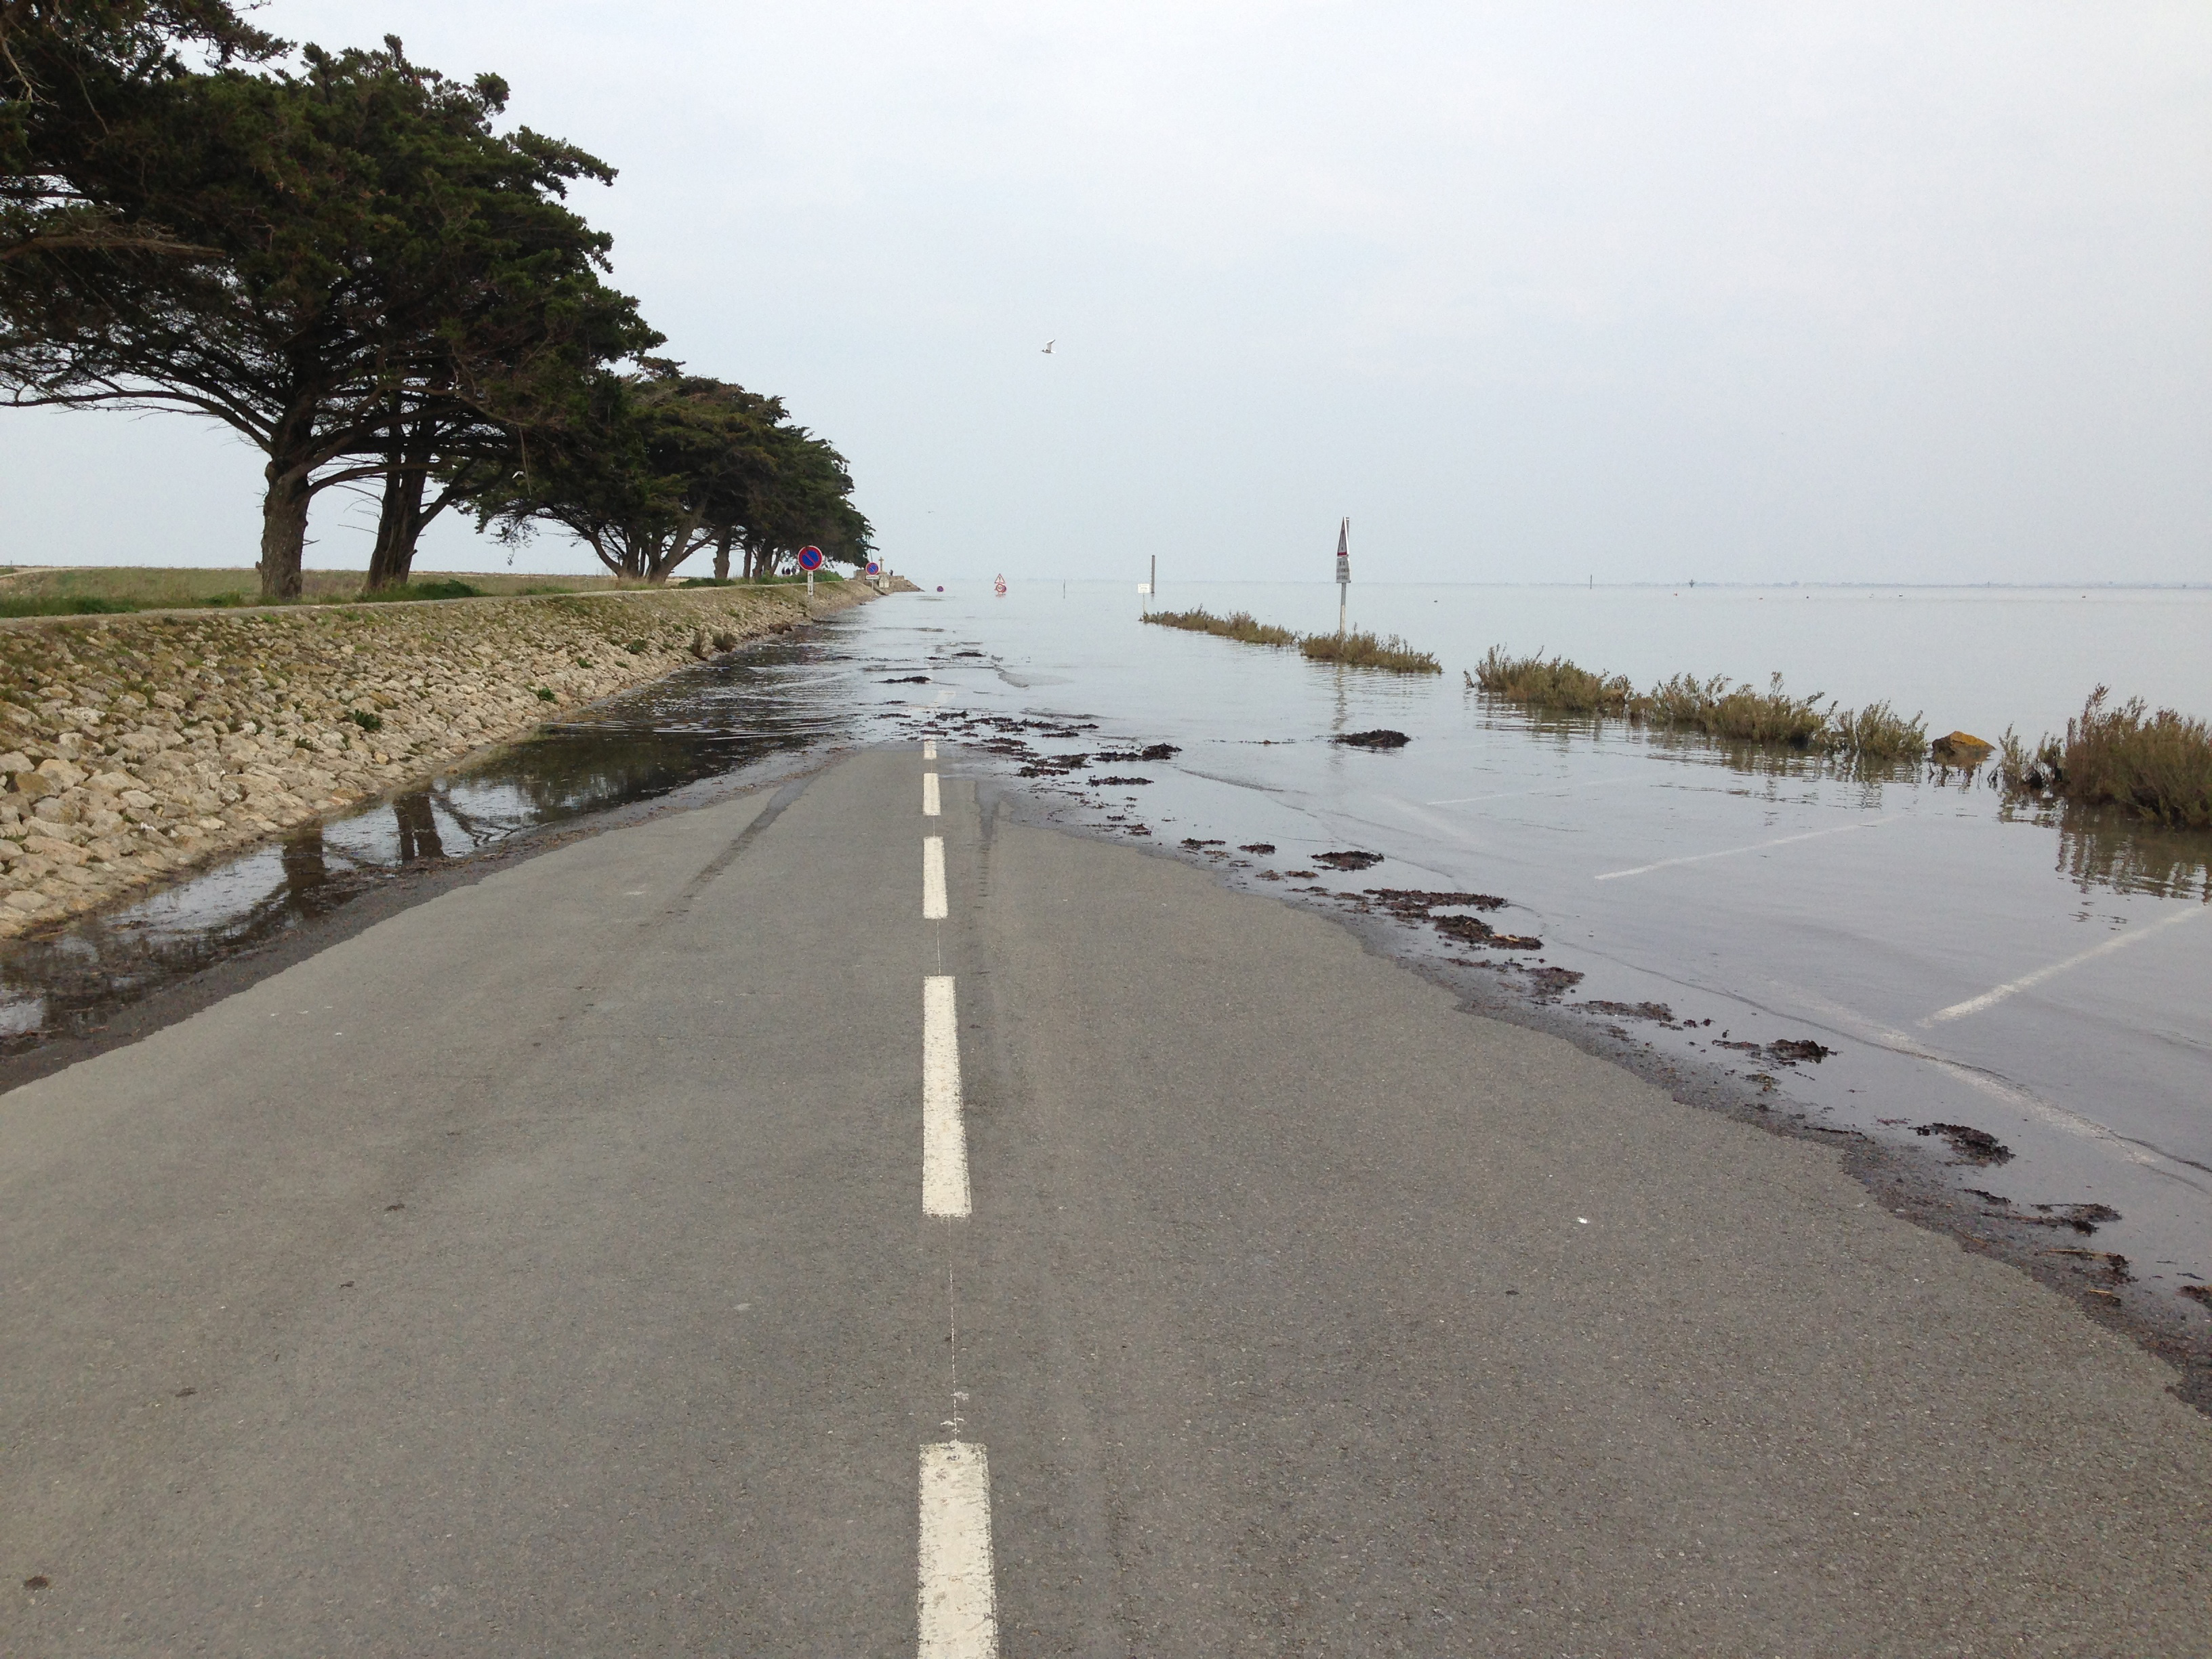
(399, 526)
(722, 556)
(290, 472)
(284, 532)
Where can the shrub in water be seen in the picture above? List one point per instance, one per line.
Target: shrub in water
(2156, 765)
(1240, 625)
(1553, 684)
(1361, 650)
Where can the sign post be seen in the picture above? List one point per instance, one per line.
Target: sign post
(810, 560)
(1343, 572)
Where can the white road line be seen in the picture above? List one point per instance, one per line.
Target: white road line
(929, 749)
(958, 1604)
(1548, 789)
(932, 879)
(1730, 852)
(930, 802)
(2028, 1105)
(1990, 998)
(944, 1138)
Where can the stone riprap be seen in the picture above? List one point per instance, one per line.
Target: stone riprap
(133, 746)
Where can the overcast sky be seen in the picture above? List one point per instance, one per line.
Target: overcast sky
(1855, 291)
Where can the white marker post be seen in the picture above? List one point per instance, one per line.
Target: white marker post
(810, 560)
(1343, 572)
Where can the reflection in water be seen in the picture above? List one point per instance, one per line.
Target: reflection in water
(701, 723)
(2103, 847)
(305, 866)
(417, 828)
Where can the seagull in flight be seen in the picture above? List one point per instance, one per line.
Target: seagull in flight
(1049, 345)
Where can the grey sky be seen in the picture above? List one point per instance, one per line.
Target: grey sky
(1816, 292)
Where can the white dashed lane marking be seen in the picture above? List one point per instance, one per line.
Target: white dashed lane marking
(932, 879)
(1730, 852)
(958, 1605)
(929, 749)
(2028, 981)
(943, 1137)
(930, 803)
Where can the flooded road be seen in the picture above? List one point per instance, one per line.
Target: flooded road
(1898, 955)
(2022, 992)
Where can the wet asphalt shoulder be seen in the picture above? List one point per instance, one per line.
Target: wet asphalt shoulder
(553, 1265)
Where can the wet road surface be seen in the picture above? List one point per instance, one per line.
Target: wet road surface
(575, 1261)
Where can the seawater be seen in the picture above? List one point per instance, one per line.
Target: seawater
(2040, 974)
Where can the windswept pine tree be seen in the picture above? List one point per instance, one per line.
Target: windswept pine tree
(378, 281)
(72, 74)
(660, 465)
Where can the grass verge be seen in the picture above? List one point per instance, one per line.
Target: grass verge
(1357, 650)
(1240, 625)
(1362, 650)
(57, 605)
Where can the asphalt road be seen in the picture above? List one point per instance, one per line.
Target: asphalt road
(584, 1262)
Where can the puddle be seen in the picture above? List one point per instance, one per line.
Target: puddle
(716, 720)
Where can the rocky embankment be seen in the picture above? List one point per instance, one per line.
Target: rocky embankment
(133, 746)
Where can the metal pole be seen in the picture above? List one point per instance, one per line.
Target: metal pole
(1343, 572)
(1152, 587)
(809, 589)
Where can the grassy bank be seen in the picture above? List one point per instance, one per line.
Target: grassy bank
(1357, 650)
(1716, 707)
(104, 590)
(2154, 765)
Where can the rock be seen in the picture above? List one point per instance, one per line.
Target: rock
(13, 763)
(1348, 860)
(33, 785)
(66, 776)
(1382, 737)
(1961, 747)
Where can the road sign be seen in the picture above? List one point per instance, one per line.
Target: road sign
(810, 558)
(1343, 572)
(875, 569)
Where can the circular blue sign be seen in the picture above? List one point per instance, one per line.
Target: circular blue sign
(874, 570)
(810, 558)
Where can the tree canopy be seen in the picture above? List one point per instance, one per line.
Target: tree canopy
(662, 464)
(345, 260)
(68, 68)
